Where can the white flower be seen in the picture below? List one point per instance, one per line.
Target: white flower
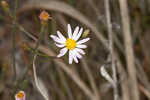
(20, 95)
(71, 44)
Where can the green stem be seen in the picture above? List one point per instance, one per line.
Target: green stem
(13, 39)
(43, 55)
(13, 50)
(16, 6)
(35, 49)
(39, 39)
(35, 53)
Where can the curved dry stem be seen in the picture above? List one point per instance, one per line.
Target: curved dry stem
(39, 84)
(63, 8)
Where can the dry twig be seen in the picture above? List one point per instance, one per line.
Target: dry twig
(112, 58)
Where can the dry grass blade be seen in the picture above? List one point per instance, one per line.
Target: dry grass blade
(63, 8)
(65, 83)
(145, 91)
(91, 3)
(39, 83)
(124, 80)
(91, 78)
(129, 49)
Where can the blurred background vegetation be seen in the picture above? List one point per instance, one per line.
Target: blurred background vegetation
(82, 81)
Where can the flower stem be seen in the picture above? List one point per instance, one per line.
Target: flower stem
(13, 39)
(35, 50)
(13, 50)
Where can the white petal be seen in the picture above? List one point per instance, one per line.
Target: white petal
(62, 52)
(69, 31)
(83, 41)
(81, 46)
(74, 56)
(77, 54)
(75, 59)
(61, 36)
(70, 57)
(75, 33)
(80, 51)
(79, 34)
(60, 45)
(56, 39)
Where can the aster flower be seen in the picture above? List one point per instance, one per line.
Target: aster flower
(71, 44)
(20, 95)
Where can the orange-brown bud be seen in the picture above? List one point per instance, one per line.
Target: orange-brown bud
(44, 16)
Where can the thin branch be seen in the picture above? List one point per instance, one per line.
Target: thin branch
(110, 34)
(26, 32)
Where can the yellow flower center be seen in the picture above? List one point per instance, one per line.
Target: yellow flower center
(20, 95)
(70, 44)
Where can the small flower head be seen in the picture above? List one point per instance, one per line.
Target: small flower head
(71, 44)
(5, 6)
(20, 95)
(44, 16)
(86, 33)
